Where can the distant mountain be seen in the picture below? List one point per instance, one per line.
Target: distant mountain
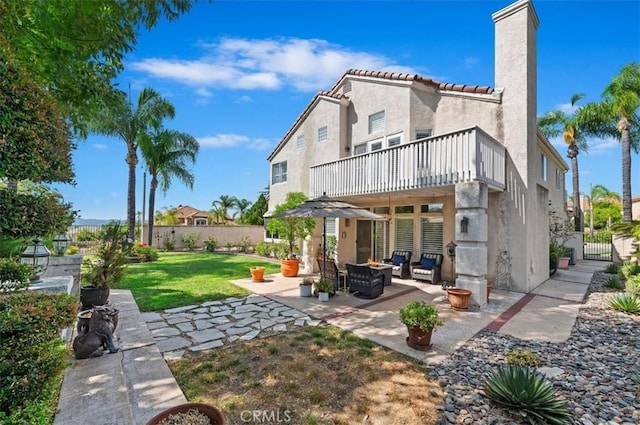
(91, 221)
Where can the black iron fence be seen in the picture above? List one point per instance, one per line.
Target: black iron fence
(86, 237)
(598, 246)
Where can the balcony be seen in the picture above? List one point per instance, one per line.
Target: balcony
(444, 160)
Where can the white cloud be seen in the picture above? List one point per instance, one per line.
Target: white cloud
(269, 64)
(244, 99)
(567, 108)
(100, 146)
(115, 195)
(469, 62)
(204, 92)
(234, 140)
(594, 146)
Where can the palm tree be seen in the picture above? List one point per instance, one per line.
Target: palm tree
(167, 154)
(128, 123)
(242, 205)
(216, 215)
(555, 123)
(617, 116)
(600, 193)
(168, 217)
(225, 203)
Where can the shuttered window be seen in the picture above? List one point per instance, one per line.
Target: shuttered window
(300, 141)
(330, 224)
(431, 230)
(322, 134)
(404, 234)
(380, 240)
(376, 122)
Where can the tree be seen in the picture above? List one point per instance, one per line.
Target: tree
(255, 215)
(242, 205)
(75, 49)
(617, 116)
(291, 229)
(224, 203)
(129, 124)
(555, 123)
(168, 217)
(167, 154)
(604, 207)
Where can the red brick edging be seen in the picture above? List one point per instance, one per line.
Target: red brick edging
(501, 320)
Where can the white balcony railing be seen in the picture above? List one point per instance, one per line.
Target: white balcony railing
(461, 156)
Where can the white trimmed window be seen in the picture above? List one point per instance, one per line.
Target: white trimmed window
(376, 122)
(404, 234)
(424, 133)
(544, 167)
(322, 134)
(200, 222)
(279, 172)
(431, 234)
(375, 145)
(360, 149)
(300, 141)
(394, 140)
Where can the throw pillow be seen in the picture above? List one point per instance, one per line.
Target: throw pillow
(428, 263)
(398, 260)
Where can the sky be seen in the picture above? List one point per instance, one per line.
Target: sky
(240, 72)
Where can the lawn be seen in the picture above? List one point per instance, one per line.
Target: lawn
(311, 376)
(184, 278)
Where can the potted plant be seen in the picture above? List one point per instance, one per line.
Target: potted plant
(306, 286)
(421, 319)
(291, 230)
(257, 273)
(324, 288)
(459, 298)
(560, 231)
(107, 268)
(188, 413)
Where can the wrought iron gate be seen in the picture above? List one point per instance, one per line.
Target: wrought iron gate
(598, 247)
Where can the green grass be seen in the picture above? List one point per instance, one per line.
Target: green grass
(184, 278)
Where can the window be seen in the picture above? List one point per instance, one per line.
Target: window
(381, 210)
(380, 240)
(404, 234)
(543, 167)
(405, 209)
(360, 149)
(300, 141)
(279, 172)
(430, 208)
(376, 122)
(394, 140)
(330, 225)
(559, 179)
(200, 221)
(376, 145)
(421, 134)
(322, 134)
(431, 230)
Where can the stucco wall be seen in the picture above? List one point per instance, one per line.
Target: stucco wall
(223, 234)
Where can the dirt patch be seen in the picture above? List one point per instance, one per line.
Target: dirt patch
(314, 375)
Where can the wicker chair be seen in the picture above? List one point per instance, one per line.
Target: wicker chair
(364, 282)
(401, 261)
(428, 268)
(329, 270)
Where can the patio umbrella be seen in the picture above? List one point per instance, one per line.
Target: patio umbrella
(324, 207)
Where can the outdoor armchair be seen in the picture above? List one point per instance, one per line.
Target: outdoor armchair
(429, 268)
(364, 281)
(401, 262)
(329, 270)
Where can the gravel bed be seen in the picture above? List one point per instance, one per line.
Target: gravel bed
(593, 370)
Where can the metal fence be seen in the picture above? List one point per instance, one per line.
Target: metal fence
(86, 237)
(598, 246)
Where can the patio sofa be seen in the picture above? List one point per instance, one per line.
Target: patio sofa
(364, 282)
(401, 262)
(429, 268)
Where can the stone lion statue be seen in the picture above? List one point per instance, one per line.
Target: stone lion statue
(93, 339)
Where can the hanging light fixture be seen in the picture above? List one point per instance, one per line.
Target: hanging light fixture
(36, 256)
(60, 244)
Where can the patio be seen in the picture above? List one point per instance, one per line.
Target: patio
(378, 319)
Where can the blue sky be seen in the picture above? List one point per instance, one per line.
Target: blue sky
(240, 72)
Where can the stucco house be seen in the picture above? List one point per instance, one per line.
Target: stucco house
(428, 155)
(190, 216)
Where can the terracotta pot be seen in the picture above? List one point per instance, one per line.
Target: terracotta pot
(257, 274)
(289, 268)
(91, 296)
(563, 262)
(489, 288)
(419, 339)
(459, 298)
(213, 414)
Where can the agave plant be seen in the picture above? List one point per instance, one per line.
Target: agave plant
(626, 303)
(613, 283)
(525, 391)
(613, 268)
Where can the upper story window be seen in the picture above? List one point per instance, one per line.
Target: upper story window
(431, 208)
(394, 140)
(544, 165)
(300, 141)
(322, 134)
(360, 149)
(559, 179)
(279, 172)
(376, 122)
(404, 209)
(375, 145)
(421, 134)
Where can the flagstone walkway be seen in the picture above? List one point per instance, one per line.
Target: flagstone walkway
(215, 323)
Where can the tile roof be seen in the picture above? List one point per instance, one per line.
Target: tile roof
(333, 93)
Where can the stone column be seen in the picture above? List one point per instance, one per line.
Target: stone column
(471, 253)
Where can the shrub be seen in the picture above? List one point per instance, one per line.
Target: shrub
(418, 313)
(524, 357)
(625, 303)
(168, 242)
(85, 235)
(613, 268)
(629, 269)
(526, 392)
(13, 275)
(230, 246)
(211, 244)
(632, 286)
(73, 250)
(110, 264)
(190, 240)
(145, 253)
(32, 355)
(264, 249)
(613, 283)
(244, 244)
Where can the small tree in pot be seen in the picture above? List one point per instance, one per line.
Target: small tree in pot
(107, 269)
(291, 230)
(421, 319)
